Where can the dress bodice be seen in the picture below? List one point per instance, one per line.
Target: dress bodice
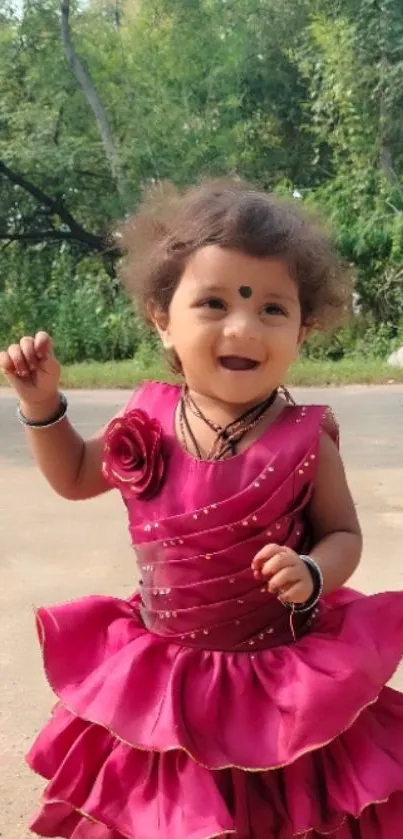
(195, 540)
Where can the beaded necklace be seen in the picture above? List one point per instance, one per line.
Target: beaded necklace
(228, 436)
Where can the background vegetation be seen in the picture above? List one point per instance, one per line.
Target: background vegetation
(100, 99)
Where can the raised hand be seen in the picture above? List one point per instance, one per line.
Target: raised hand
(32, 370)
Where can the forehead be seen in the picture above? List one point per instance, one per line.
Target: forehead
(230, 269)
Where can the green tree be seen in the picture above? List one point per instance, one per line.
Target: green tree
(351, 60)
(287, 93)
(186, 88)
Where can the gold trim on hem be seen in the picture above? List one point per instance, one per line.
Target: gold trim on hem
(90, 818)
(179, 748)
(172, 748)
(375, 803)
(304, 834)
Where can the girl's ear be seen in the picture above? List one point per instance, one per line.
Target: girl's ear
(160, 320)
(303, 334)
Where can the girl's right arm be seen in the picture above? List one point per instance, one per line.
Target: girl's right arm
(71, 465)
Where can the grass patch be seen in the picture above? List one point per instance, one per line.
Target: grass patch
(305, 373)
(112, 374)
(348, 371)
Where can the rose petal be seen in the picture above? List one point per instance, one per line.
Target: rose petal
(133, 455)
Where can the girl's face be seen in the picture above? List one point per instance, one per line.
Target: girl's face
(235, 324)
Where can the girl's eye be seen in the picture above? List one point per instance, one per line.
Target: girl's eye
(274, 309)
(212, 303)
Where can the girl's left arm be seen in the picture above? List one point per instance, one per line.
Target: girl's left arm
(336, 531)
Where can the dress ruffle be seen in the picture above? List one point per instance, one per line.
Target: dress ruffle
(114, 791)
(141, 723)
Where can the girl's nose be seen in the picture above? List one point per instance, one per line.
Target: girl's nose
(240, 325)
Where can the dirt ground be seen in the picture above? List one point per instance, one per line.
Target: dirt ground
(53, 550)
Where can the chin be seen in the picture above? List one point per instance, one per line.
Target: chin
(241, 394)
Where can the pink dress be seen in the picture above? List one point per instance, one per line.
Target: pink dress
(200, 707)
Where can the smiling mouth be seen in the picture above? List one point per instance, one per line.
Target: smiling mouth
(236, 362)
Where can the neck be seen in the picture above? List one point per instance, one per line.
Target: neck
(215, 434)
(220, 411)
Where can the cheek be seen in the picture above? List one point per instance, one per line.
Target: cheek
(285, 340)
(188, 340)
(178, 328)
(197, 331)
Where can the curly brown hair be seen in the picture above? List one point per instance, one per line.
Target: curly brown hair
(170, 226)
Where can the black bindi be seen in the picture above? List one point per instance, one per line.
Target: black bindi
(245, 291)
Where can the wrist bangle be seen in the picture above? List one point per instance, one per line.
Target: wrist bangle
(46, 423)
(317, 578)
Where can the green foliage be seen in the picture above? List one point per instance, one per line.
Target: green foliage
(352, 56)
(360, 338)
(75, 303)
(291, 94)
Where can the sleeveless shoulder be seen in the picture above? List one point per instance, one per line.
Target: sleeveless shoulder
(330, 425)
(314, 421)
(157, 399)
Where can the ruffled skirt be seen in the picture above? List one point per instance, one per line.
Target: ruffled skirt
(155, 740)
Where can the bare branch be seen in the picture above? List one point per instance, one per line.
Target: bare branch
(37, 236)
(56, 206)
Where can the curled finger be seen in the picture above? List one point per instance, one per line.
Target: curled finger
(7, 365)
(283, 580)
(266, 553)
(28, 351)
(43, 345)
(18, 360)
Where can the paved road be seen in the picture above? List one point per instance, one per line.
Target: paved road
(54, 550)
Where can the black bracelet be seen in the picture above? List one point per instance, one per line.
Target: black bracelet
(317, 579)
(53, 420)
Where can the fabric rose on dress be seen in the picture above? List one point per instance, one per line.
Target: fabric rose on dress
(133, 454)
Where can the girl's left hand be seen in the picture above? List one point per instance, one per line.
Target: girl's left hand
(286, 573)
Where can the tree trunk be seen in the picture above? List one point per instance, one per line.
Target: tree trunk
(109, 143)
